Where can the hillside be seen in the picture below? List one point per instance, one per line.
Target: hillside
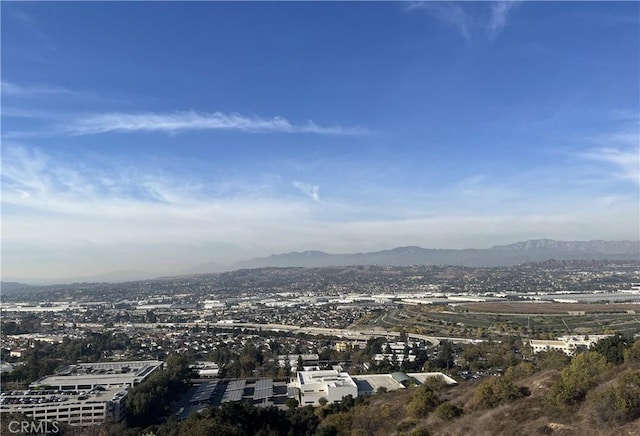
(596, 393)
(530, 415)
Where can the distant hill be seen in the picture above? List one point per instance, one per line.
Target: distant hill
(14, 287)
(539, 250)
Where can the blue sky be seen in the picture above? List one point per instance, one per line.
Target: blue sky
(158, 136)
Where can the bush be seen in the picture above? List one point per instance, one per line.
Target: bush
(522, 369)
(632, 354)
(496, 391)
(447, 411)
(291, 403)
(619, 403)
(578, 378)
(425, 400)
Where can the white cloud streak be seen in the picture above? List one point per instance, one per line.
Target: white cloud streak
(619, 150)
(450, 13)
(626, 162)
(498, 15)
(191, 120)
(311, 191)
(466, 23)
(11, 89)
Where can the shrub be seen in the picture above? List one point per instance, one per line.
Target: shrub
(425, 400)
(496, 391)
(578, 378)
(447, 411)
(522, 369)
(619, 403)
(291, 403)
(632, 354)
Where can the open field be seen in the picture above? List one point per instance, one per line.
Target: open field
(487, 322)
(549, 308)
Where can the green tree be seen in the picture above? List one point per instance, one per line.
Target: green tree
(632, 354)
(291, 403)
(578, 378)
(445, 358)
(612, 348)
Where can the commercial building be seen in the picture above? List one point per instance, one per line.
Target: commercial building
(567, 344)
(82, 394)
(86, 376)
(81, 408)
(329, 384)
(369, 384)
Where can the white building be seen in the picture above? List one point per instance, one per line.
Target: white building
(78, 408)
(87, 376)
(206, 369)
(83, 394)
(567, 344)
(369, 384)
(329, 384)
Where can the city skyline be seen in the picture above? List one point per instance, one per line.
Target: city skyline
(159, 136)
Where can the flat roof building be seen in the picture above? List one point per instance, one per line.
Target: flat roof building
(329, 384)
(567, 344)
(369, 384)
(86, 376)
(78, 408)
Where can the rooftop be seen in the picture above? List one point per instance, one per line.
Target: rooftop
(330, 377)
(105, 374)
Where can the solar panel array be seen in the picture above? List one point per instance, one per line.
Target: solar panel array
(263, 389)
(235, 391)
(204, 392)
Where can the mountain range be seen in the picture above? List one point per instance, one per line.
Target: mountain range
(500, 255)
(538, 250)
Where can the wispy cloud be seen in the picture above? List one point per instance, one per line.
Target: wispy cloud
(174, 122)
(312, 191)
(460, 17)
(11, 89)
(191, 120)
(619, 150)
(499, 13)
(450, 13)
(625, 161)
